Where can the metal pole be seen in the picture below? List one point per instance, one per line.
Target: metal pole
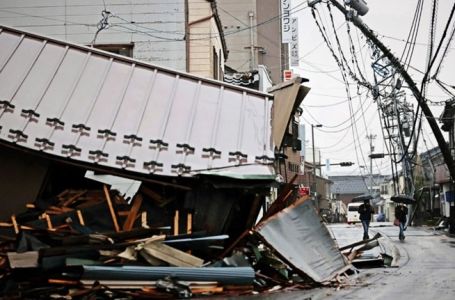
(314, 170)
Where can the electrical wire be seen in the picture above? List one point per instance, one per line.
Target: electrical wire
(323, 32)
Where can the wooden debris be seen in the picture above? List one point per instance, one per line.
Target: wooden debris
(80, 217)
(48, 221)
(83, 227)
(176, 222)
(15, 225)
(137, 202)
(144, 220)
(172, 256)
(189, 223)
(73, 198)
(23, 260)
(111, 208)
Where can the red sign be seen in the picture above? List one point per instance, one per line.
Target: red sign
(304, 191)
(287, 75)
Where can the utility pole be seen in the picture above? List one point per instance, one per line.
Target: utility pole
(314, 185)
(448, 159)
(371, 137)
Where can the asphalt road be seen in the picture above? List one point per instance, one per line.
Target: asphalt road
(426, 268)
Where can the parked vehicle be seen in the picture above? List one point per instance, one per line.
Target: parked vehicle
(353, 215)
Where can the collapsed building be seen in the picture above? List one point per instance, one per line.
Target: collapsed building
(106, 152)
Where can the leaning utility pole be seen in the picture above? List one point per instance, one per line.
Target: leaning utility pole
(407, 78)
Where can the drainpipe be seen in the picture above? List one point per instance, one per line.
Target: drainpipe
(187, 38)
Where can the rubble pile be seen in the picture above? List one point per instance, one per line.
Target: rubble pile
(94, 243)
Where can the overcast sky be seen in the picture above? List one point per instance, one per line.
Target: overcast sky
(327, 102)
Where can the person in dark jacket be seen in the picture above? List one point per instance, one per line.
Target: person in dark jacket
(365, 211)
(401, 212)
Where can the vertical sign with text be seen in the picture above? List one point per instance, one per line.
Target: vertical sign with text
(286, 31)
(294, 44)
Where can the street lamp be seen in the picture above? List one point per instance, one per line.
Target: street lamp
(314, 165)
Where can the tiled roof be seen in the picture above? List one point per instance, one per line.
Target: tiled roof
(348, 184)
(246, 79)
(90, 106)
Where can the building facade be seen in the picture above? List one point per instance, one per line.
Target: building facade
(253, 32)
(184, 35)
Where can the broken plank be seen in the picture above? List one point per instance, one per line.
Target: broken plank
(48, 221)
(111, 208)
(153, 261)
(189, 223)
(15, 225)
(73, 198)
(144, 220)
(137, 202)
(80, 217)
(176, 223)
(27, 259)
(171, 255)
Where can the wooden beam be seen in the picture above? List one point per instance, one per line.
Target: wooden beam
(171, 255)
(80, 217)
(27, 259)
(15, 225)
(189, 223)
(129, 222)
(176, 223)
(73, 198)
(144, 220)
(111, 208)
(48, 221)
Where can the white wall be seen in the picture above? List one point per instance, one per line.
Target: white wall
(234, 16)
(157, 32)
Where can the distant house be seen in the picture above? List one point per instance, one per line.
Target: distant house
(345, 188)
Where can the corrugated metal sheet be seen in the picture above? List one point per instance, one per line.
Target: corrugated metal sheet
(95, 107)
(302, 240)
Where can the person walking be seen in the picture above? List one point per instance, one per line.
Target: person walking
(365, 211)
(401, 212)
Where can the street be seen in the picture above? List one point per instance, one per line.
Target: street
(426, 268)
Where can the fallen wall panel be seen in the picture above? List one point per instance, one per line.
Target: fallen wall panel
(302, 240)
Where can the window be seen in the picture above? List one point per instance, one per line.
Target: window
(384, 189)
(293, 167)
(121, 49)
